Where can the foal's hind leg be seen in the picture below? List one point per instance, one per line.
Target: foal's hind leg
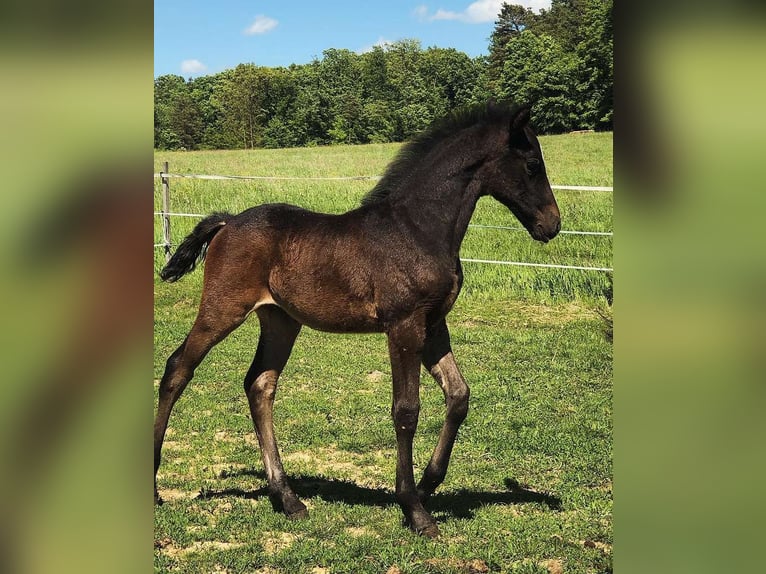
(212, 325)
(278, 333)
(439, 360)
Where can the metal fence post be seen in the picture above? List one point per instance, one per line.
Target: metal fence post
(165, 211)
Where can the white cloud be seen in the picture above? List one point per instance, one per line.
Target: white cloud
(261, 25)
(421, 12)
(382, 42)
(477, 12)
(193, 67)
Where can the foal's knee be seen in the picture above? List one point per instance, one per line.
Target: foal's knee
(261, 387)
(457, 402)
(405, 416)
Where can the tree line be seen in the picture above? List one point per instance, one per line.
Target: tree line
(559, 59)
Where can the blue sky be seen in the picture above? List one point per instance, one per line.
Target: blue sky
(196, 37)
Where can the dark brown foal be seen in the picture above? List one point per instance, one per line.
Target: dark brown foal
(392, 266)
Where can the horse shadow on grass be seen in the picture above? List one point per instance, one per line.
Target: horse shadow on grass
(459, 504)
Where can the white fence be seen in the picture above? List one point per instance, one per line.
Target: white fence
(166, 214)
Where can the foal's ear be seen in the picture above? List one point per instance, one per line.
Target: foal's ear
(517, 137)
(520, 119)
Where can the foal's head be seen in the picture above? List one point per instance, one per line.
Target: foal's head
(516, 178)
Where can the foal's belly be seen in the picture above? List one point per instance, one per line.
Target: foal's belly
(326, 300)
(335, 316)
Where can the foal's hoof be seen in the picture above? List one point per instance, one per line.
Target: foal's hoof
(295, 510)
(431, 531)
(158, 499)
(427, 529)
(298, 514)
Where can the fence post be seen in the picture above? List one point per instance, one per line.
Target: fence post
(166, 211)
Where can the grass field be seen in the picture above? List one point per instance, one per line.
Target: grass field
(529, 489)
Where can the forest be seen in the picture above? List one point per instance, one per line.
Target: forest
(560, 60)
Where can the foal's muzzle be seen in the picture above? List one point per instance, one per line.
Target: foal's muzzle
(547, 225)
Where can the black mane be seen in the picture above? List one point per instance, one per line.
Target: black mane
(415, 149)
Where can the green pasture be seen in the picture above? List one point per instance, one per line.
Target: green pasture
(529, 489)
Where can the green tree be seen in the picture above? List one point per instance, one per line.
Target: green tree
(177, 120)
(414, 105)
(311, 117)
(511, 21)
(563, 22)
(243, 94)
(559, 59)
(377, 122)
(341, 84)
(539, 71)
(596, 65)
(374, 72)
(204, 90)
(450, 75)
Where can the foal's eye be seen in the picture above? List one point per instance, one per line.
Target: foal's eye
(533, 166)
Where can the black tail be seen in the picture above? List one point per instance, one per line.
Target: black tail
(192, 249)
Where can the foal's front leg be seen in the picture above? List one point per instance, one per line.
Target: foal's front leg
(405, 345)
(439, 360)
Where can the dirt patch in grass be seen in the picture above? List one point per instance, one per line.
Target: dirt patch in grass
(364, 469)
(172, 494)
(553, 566)
(603, 546)
(225, 470)
(360, 531)
(223, 436)
(198, 547)
(175, 446)
(274, 542)
(375, 377)
(475, 566)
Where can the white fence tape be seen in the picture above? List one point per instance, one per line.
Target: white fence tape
(268, 177)
(525, 264)
(339, 178)
(479, 226)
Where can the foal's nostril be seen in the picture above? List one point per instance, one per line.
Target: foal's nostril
(558, 226)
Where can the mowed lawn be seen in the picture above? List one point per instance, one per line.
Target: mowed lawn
(529, 488)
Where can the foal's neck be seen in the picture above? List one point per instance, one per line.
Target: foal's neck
(440, 199)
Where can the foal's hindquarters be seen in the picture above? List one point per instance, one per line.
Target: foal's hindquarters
(246, 271)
